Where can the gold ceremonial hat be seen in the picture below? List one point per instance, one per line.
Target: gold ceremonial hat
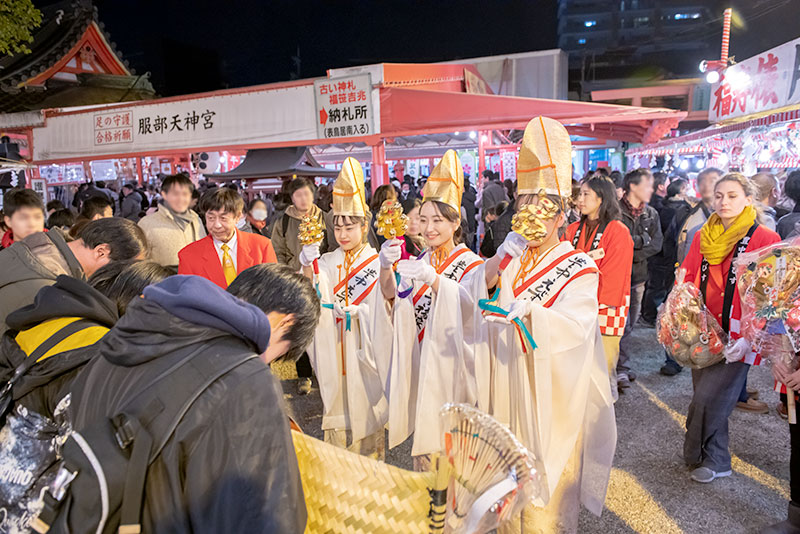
(446, 182)
(545, 159)
(348, 190)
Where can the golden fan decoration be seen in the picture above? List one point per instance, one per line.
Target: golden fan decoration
(391, 221)
(528, 221)
(312, 230)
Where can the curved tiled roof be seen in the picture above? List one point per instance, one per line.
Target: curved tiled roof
(63, 25)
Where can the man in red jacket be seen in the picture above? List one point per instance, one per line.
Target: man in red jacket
(225, 251)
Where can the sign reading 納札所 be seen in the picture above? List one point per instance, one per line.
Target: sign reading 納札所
(768, 81)
(344, 106)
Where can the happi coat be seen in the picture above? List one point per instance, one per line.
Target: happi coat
(432, 359)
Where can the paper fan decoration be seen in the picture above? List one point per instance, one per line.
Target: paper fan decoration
(494, 475)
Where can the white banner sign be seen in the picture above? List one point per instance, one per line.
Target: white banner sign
(218, 121)
(344, 106)
(770, 80)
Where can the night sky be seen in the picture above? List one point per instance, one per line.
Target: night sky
(197, 45)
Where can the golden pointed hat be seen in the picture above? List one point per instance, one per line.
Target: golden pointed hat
(545, 159)
(348, 190)
(446, 182)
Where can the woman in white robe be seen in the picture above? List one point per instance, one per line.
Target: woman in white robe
(556, 396)
(350, 364)
(431, 357)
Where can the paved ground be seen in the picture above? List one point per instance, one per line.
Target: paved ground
(650, 490)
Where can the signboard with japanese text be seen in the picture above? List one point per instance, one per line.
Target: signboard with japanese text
(768, 81)
(271, 115)
(344, 106)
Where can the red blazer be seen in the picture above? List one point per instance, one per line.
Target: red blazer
(201, 257)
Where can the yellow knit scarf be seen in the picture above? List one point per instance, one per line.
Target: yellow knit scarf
(716, 242)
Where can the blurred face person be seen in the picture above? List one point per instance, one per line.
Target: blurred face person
(258, 210)
(413, 222)
(406, 188)
(222, 224)
(349, 232)
(178, 198)
(106, 214)
(730, 200)
(26, 220)
(303, 199)
(705, 187)
(588, 202)
(642, 191)
(436, 228)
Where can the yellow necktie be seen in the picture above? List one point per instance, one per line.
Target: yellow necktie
(227, 264)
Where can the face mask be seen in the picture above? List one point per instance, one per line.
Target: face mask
(259, 215)
(242, 222)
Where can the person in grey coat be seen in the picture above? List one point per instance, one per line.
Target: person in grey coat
(131, 203)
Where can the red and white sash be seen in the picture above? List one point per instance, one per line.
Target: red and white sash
(544, 286)
(460, 262)
(358, 284)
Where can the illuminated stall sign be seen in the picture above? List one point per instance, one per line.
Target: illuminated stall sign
(768, 81)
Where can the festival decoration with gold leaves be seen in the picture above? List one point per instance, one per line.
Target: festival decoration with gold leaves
(391, 222)
(528, 222)
(312, 230)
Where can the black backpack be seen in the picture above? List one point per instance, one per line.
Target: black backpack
(100, 484)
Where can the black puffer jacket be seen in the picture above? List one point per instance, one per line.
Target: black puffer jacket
(230, 466)
(647, 238)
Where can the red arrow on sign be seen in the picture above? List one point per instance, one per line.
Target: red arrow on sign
(323, 116)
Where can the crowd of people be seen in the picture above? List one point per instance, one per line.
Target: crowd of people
(155, 310)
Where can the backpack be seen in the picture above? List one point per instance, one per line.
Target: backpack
(99, 486)
(30, 442)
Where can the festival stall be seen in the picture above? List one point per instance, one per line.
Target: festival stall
(755, 111)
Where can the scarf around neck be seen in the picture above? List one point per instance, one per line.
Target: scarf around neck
(182, 219)
(716, 242)
(635, 212)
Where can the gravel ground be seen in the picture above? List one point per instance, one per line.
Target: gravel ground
(650, 490)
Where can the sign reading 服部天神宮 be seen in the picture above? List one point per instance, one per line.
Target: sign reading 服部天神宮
(768, 81)
(269, 115)
(344, 106)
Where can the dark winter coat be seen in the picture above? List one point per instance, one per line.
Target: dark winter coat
(647, 238)
(230, 466)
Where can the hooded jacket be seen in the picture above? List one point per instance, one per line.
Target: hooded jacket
(54, 308)
(31, 264)
(230, 465)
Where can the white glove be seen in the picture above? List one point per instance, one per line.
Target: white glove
(513, 245)
(736, 351)
(518, 310)
(340, 312)
(390, 252)
(417, 270)
(308, 254)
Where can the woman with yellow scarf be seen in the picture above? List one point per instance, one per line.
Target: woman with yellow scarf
(730, 231)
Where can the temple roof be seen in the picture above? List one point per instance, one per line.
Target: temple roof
(70, 50)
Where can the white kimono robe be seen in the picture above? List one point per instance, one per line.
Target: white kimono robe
(560, 393)
(432, 360)
(351, 365)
